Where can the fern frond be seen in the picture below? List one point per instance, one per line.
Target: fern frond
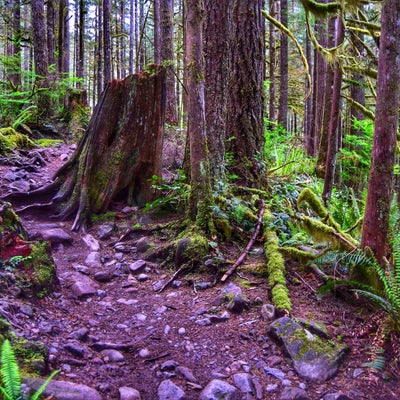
(42, 388)
(4, 393)
(9, 371)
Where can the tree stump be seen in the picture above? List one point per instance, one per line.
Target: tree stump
(118, 154)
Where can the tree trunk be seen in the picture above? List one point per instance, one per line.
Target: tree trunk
(333, 132)
(283, 69)
(157, 43)
(376, 217)
(40, 56)
(51, 44)
(272, 64)
(245, 125)
(63, 38)
(200, 194)
(118, 154)
(107, 41)
(216, 47)
(167, 54)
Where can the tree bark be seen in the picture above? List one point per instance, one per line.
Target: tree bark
(167, 54)
(157, 43)
(107, 41)
(40, 55)
(200, 193)
(376, 217)
(245, 125)
(118, 154)
(216, 47)
(333, 132)
(283, 69)
(272, 65)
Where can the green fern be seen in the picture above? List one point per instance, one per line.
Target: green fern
(9, 373)
(11, 377)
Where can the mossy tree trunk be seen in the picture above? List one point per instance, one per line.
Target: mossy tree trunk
(376, 217)
(118, 154)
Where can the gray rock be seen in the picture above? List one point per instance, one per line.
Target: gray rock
(186, 373)
(313, 357)
(316, 327)
(27, 310)
(335, 396)
(169, 391)
(91, 242)
(158, 285)
(293, 393)
(219, 318)
(113, 355)
(76, 349)
(169, 365)
(144, 244)
(80, 334)
(83, 269)
(93, 260)
(276, 372)
(83, 287)
(217, 389)
(63, 390)
(102, 276)
(56, 235)
(244, 382)
(104, 231)
(20, 186)
(237, 303)
(268, 312)
(203, 322)
(137, 267)
(142, 277)
(127, 393)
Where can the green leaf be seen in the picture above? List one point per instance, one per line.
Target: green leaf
(10, 372)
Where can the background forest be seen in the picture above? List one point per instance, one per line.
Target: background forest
(292, 105)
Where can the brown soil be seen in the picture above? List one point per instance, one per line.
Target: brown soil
(220, 349)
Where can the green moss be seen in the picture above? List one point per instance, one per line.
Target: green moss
(10, 139)
(280, 297)
(48, 142)
(197, 247)
(223, 225)
(43, 268)
(33, 355)
(104, 217)
(302, 256)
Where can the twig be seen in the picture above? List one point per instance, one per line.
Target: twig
(176, 273)
(241, 258)
(307, 284)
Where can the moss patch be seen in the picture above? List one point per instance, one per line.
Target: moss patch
(11, 139)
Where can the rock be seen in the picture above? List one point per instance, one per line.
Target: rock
(186, 373)
(83, 269)
(82, 286)
(144, 244)
(127, 302)
(104, 231)
(80, 334)
(335, 396)
(113, 355)
(169, 391)
(26, 309)
(293, 393)
(237, 303)
(169, 365)
(231, 289)
(181, 331)
(268, 312)
(158, 285)
(313, 358)
(316, 327)
(219, 318)
(127, 393)
(76, 349)
(144, 353)
(91, 242)
(102, 276)
(56, 235)
(63, 390)
(217, 389)
(244, 382)
(93, 260)
(142, 277)
(137, 267)
(20, 186)
(276, 372)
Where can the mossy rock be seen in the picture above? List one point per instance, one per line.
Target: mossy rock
(191, 249)
(10, 139)
(30, 263)
(33, 356)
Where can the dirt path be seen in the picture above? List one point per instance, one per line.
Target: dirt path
(124, 313)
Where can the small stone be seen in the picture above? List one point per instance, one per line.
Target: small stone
(181, 331)
(27, 310)
(83, 269)
(167, 329)
(127, 302)
(142, 277)
(293, 393)
(141, 317)
(137, 266)
(217, 389)
(168, 391)
(203, 322)
(271, 387)
(76, 349)
(268, 312)
(80, 334)
(357, 372)
(144, 353)
(104, 231)
(186, 373)
(158, 285)
(127, 393)
(244, 382)
(336, 396)
(93, 259)
(91, 242)
(56, 235)
(82, 289)
(143, 244)
(169, 365)
(113, 355)
(102, 276)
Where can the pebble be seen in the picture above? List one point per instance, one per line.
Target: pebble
(144, 353)
(181, 331)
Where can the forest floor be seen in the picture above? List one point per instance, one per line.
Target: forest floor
(162, 326)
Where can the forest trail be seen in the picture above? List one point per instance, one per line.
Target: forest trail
(108, 327)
